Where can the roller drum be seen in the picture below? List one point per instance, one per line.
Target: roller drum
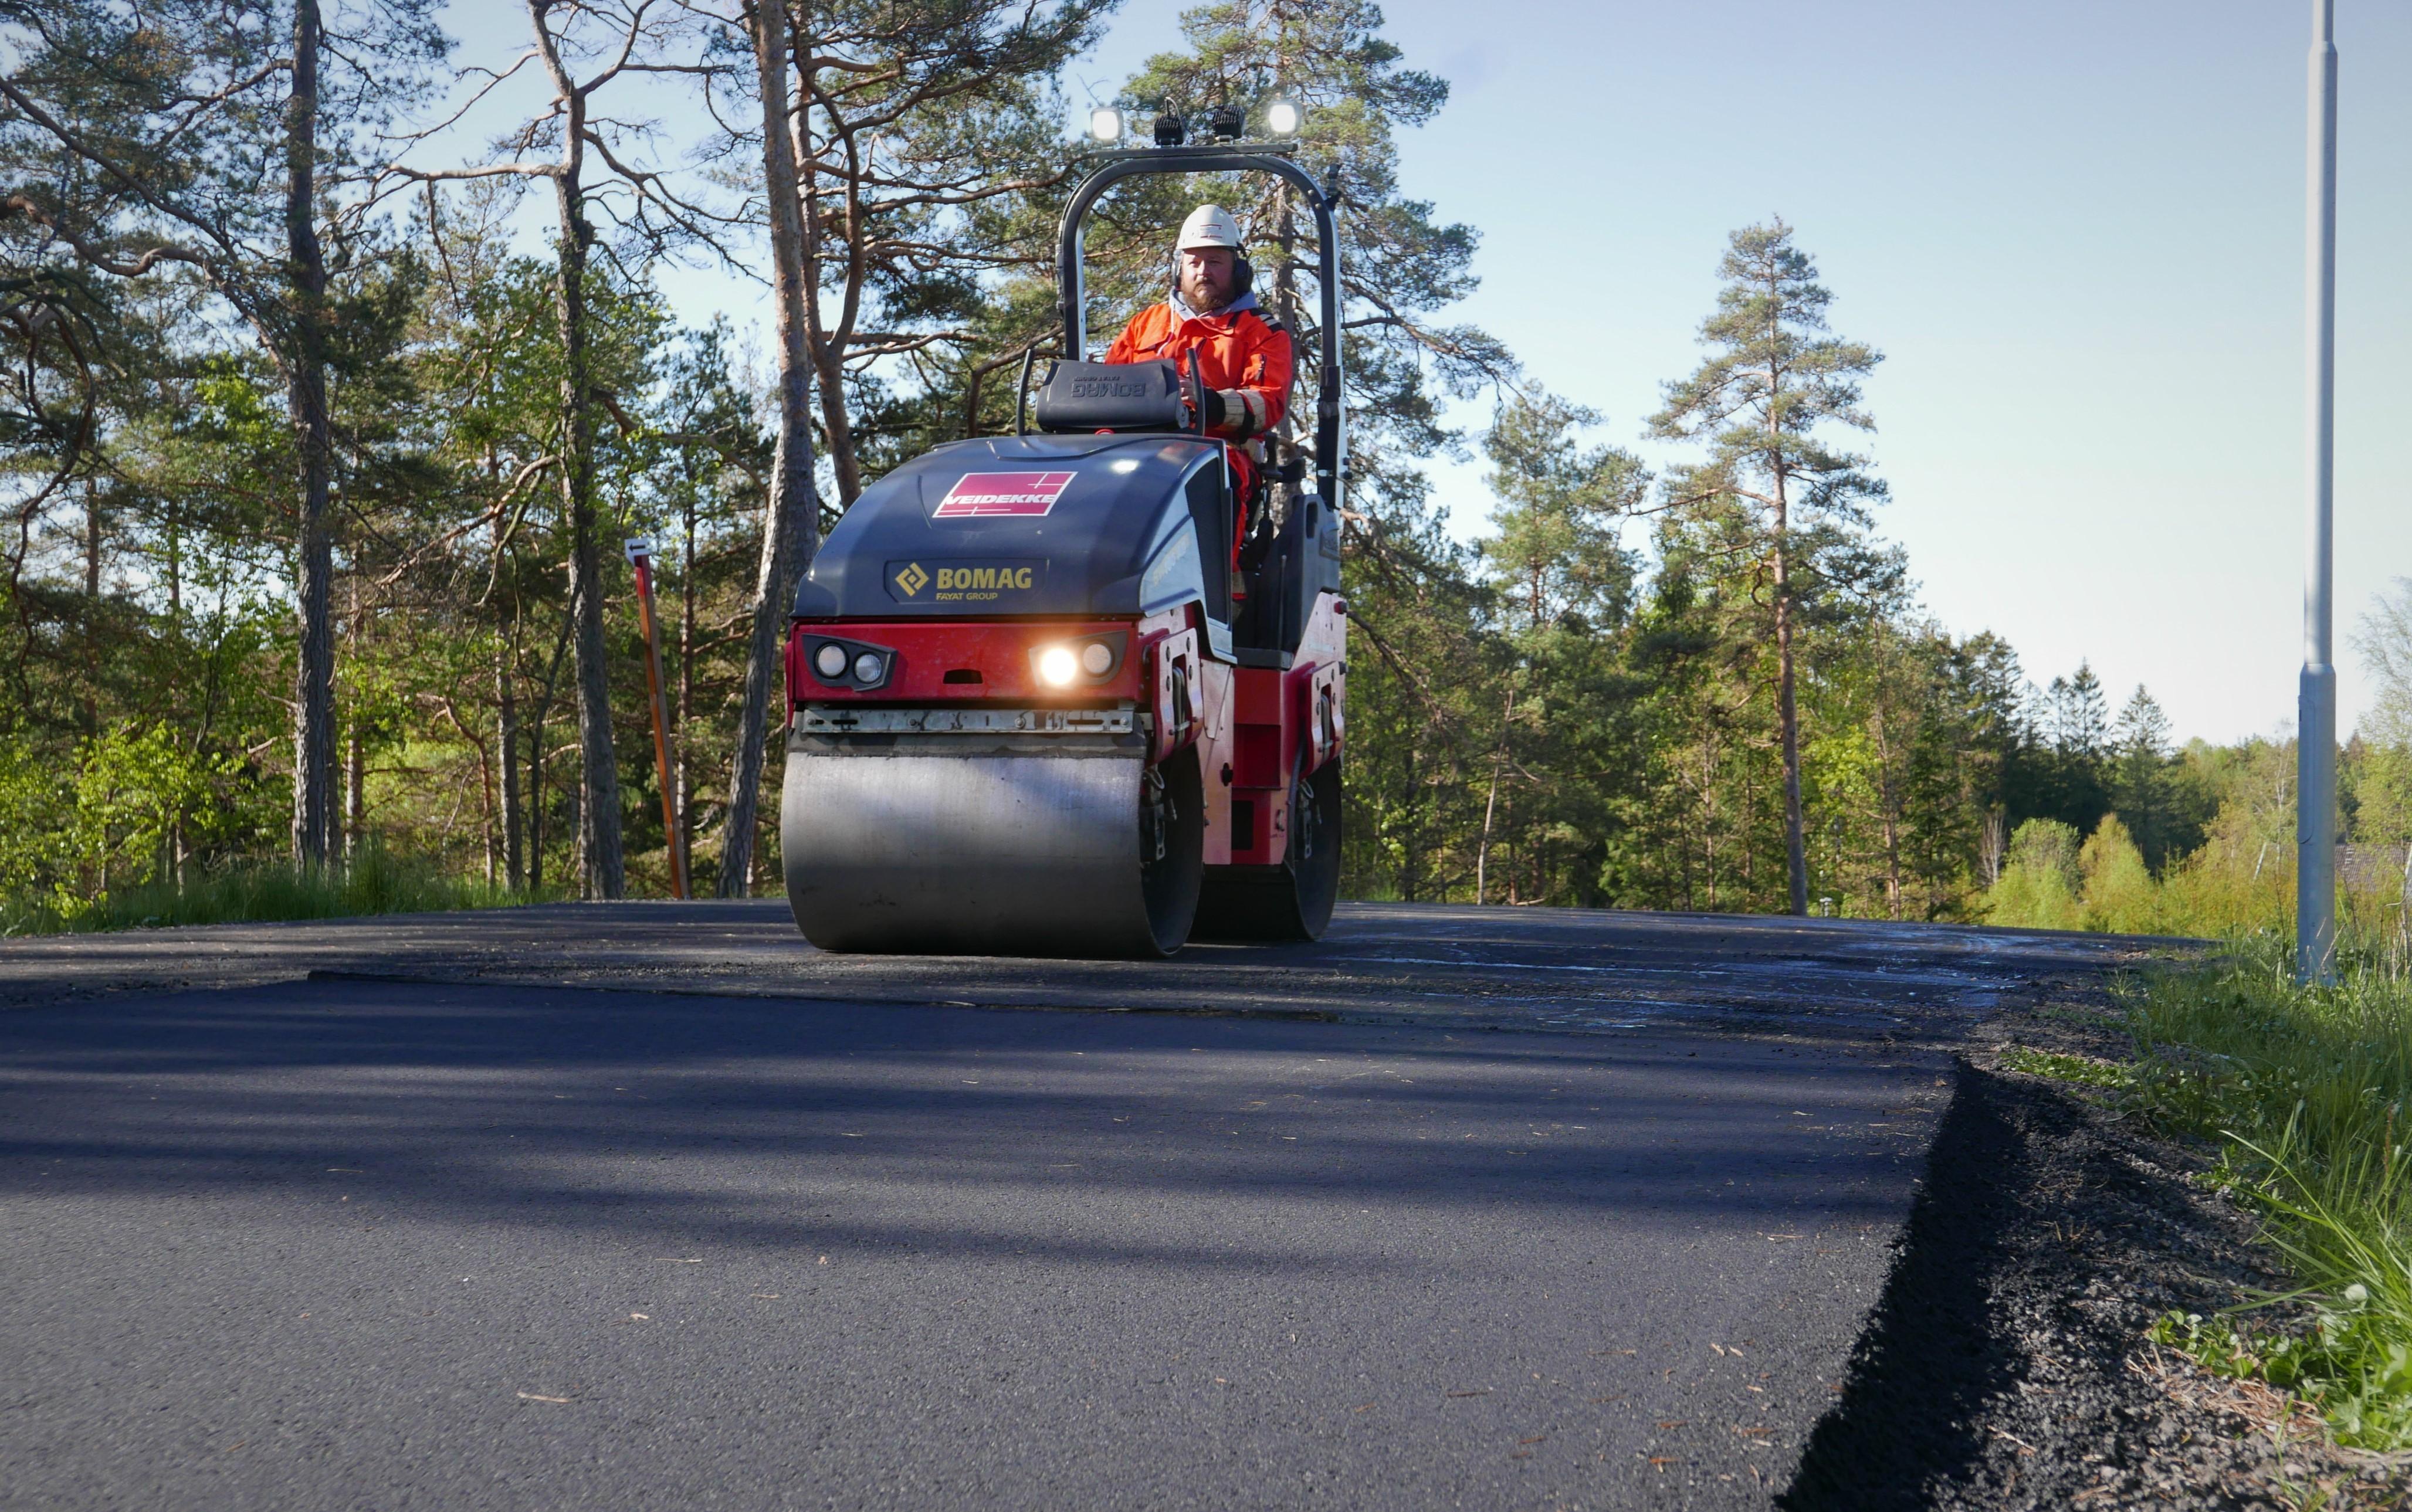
(919, 844)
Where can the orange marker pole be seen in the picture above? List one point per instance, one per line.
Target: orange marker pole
(640, 556)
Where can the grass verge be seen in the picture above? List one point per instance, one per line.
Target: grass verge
(2307, 1092)
(372, 882)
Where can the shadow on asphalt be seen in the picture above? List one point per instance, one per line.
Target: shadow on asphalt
(614, 1111)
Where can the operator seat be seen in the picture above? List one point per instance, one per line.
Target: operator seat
(1111, 396)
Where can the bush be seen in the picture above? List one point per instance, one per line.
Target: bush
(2040, 881)
(2119, 891)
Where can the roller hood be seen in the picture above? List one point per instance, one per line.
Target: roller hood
(1040, 525)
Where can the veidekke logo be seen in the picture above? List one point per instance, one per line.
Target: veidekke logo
(1002, 494)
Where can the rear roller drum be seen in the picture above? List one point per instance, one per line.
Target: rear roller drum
(1292, 901)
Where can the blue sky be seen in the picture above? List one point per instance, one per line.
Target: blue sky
(2075, 230)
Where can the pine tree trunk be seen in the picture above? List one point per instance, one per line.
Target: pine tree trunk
(826, 348)
(314, 697)
(1491, 804)
(506, 741)
(791, 512)
(91, 608)
(536, 802)
(1787, 719)
(355, 776)
(845, 466)
(681, 764)
(601, 871)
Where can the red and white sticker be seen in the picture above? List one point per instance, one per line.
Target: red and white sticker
(1002, 494)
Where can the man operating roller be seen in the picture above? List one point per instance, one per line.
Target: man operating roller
(1244, 356)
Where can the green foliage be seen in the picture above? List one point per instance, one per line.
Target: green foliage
(2308, 1091)
(1774, 377)
(2059, 1068)
(2119, 892)
(2041, 882)
(372, 882)
(34, 844)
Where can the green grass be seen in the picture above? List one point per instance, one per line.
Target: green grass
(2058, 1068)
(2308, 1091)
(372, 882)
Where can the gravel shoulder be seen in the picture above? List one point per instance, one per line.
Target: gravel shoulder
(2005, 1367)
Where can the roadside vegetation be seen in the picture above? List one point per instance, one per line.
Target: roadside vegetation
(2306, 1093)
(373, 882)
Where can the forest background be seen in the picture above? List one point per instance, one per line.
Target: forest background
(316, 468)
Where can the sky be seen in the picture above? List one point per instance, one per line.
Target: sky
(2075, 230)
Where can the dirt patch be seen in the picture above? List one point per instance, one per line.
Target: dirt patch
(2006, 1366)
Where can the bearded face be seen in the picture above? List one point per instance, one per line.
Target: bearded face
(1206, 276)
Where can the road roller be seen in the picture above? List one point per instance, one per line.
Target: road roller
(1039, 704)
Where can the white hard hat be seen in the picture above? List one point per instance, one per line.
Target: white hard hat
(1208, 226)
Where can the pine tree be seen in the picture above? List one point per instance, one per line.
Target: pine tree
(1774, 376)
(1401, 268)
(1563, 581)
(183, 137)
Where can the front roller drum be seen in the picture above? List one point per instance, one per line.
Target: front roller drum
(1072, 852)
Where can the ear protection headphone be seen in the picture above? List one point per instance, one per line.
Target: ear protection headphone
(1243, 272)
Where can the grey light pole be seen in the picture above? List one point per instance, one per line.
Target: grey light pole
(2315, 706)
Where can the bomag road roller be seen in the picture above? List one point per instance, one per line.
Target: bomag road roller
(1037, 702)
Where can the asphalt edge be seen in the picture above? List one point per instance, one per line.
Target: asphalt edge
(1923, 1369)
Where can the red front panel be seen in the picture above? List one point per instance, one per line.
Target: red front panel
(927, 650)
(1254, 728)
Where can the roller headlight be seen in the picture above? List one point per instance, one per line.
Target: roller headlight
(1106, 123)
(831, 659)
(1058, 665)
(1281, 117)
(868, 666)
(1096, 658)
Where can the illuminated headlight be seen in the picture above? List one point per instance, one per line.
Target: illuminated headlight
(1058, 665)
(867, 667)
(1281, 116)
(1106, 123)
(1096, 658)
(831, 659)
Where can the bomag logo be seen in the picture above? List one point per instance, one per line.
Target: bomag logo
(1109, 388)
(951, 583)
(983, 577)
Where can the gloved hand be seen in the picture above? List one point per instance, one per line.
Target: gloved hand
(1212, 409)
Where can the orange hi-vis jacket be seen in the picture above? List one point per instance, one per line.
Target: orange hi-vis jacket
(1240, 352)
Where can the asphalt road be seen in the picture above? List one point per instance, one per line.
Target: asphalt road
(1840, 980)
(469, 1240)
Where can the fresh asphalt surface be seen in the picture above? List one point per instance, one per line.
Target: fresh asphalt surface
(461, 1240)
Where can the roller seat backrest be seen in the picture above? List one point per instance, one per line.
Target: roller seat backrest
(1111, 396)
